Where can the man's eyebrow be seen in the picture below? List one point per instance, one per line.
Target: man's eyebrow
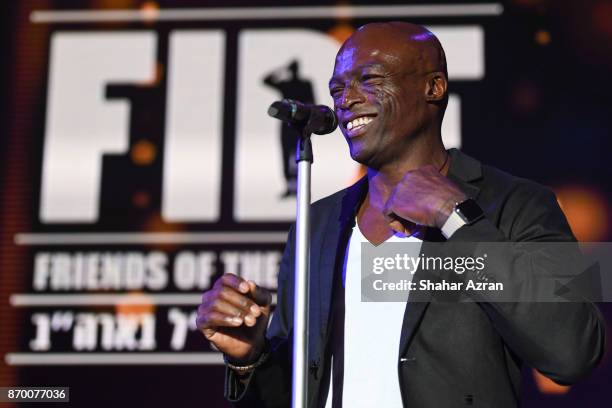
(374, 65)
(333, 81)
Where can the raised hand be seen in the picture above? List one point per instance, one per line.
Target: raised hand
(424, 197)
(234, 315)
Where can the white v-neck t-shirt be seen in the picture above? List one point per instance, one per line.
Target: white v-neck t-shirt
(371, 336)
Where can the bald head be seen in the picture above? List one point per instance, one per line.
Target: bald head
(389, 88)
(417, 48)
(404, 49)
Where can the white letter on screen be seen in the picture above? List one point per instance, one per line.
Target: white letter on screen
(194, 126)
(81, 125)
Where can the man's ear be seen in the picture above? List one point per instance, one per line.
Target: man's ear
(435, 87)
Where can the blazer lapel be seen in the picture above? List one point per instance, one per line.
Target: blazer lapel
(333, 245)
(463, 169)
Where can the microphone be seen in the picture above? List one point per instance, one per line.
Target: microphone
(319, 118)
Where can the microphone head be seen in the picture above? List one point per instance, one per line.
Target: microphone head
(289, 110)
(277, 110)
(319, 119)
(323, 120)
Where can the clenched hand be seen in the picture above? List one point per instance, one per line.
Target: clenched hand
(424, 197)
(234, 315)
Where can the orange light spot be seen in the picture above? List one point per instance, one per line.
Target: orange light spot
(361, 171)
(136, 304)
(548, 386)
(150, 11)
(341, 32)
(586, 211)
(143, 153)
(141, 199)
(602, 17)
(155, 224)
(157, 76)
(542, 37)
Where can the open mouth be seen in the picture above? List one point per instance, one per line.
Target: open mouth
(358, 125)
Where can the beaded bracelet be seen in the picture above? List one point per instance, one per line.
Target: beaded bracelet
(247, 368)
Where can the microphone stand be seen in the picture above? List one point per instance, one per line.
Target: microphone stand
(304, 159)
(320, 120)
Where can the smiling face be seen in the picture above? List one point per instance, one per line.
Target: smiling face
(381, 87)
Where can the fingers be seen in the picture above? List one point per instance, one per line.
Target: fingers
(389, 207)
(397, 226)
(247, 308)
(389, 215)
(392, 219)
(234, 282)
(235, 290)
(212, 319)
(232, 312)
(231, 302)
(260, 295)
(430, 168)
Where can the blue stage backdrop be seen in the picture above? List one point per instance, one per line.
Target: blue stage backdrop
(138, 164)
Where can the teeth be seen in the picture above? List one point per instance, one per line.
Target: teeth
(364, 120)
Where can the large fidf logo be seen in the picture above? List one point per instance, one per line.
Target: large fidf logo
(88, 119)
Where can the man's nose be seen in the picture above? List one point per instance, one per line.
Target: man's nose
(350, 97)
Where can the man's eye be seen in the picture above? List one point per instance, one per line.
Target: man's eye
(336, 92)
(369, 78)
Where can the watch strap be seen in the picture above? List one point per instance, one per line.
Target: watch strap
(452, 224)
(464, 213)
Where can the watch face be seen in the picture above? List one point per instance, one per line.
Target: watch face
(469, 210)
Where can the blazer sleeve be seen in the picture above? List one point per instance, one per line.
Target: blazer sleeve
(269, 385)
(562, 340)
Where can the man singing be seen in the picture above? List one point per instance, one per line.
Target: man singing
(389, 88)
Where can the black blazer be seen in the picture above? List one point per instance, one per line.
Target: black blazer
(451, 354)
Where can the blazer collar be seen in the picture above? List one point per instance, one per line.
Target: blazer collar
(355, 194)
(463, 171)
